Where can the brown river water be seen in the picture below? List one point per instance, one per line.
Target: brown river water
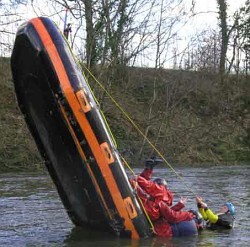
(31, 213)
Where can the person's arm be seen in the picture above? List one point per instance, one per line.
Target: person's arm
(200, 208)
(147, 173)
(148, 186)
(206, 213)
(180, 205)
(174, 216)
(203, 213)
(212, 217)
(158, 192)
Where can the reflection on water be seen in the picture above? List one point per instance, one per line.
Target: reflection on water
(32, 214)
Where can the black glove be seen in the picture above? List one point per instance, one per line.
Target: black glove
(198, 216)
(152, 162)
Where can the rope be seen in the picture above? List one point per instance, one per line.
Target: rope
(97, 103)
(110, 132)
(142, 134)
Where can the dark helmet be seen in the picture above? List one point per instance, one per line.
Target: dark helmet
(161, 181)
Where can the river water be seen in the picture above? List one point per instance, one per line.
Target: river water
(31, 213)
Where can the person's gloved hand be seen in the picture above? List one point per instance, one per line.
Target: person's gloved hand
(203, 205)
(197, 216)
(183, 200)
(152, 162)
(200, 202)
(198, 199)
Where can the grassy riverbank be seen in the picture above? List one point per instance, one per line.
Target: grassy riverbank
(17, 148)
(188, 116)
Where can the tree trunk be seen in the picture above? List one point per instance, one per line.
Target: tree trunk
(222, 4)
(91, 35)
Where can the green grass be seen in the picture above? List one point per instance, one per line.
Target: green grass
(189, 120)
(17, 148)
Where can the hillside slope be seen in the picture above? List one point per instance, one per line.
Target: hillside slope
(188, 116)
(17, 148)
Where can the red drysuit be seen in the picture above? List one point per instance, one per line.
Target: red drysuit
(156, 191)
(162, 226)
(156, 199)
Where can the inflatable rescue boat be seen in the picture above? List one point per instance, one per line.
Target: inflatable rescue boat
(71, 133)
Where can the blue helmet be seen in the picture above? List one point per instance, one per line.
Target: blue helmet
(230, 207)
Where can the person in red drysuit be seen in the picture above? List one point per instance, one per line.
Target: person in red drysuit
(157, 200)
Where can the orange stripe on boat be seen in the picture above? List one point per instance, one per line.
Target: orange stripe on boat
(84, 124)
(85, 159)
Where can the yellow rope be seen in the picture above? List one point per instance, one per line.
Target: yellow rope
(110, 132)
(135, 126)
(138, 129)
(96, 101)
